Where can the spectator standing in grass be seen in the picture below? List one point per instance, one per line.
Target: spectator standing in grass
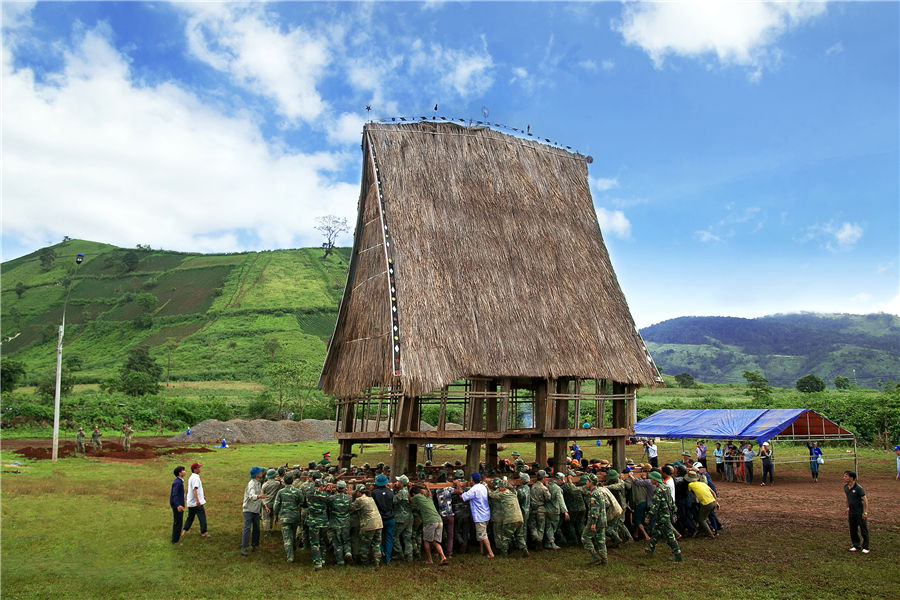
(749, 453)
(176, 501)
(719, 456)
(768, 464)
(815, 453)
(857, 512)
(897, 452)
(251, 507)
(95, 440)
(432, 526)
(652, 453)
(195, 502)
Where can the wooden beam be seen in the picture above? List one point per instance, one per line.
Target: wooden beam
(442, 414)
(504, 404)
(473, 456)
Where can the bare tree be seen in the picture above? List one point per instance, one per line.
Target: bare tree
(331, 227)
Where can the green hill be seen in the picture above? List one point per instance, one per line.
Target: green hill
(864, 348)
(213, 310)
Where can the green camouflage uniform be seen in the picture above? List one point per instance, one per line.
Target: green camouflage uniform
(524, 496)
(496, 514)
(662, 507)
(510, 518)
(540, 496)
(616, 529)
(575, 501)
(339, 525)
(403, 520)
(95, 441)
(287, 506)
(79, 441)
(555, 510)
(270, 488)
(306, 488)
(595, 541)
(127, 443)
(370, 526)
(317, 525)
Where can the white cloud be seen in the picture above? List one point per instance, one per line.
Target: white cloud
(602, 184)
(16, 14)
(608, 65)
(588, 65)
(257, 55)
(861, 298)
(835, 49)
(892, 306)
(615, 222)
(466, 72)
(707, 236)
(731, 31)
(347, 129)
(97, 155)
(833, 236)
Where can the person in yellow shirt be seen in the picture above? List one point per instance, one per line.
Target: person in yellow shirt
(705, 496)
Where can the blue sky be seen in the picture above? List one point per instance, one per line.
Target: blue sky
(745, 154)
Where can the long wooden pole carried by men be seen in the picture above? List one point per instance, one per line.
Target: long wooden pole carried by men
(62, 329)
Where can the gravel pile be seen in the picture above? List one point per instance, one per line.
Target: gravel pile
(263, 431)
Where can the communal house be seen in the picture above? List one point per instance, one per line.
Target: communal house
(480, 293)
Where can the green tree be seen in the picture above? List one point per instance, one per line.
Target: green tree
(11, 372)
(73, 362)
(47, 257)
(810, 383)
(331, 227)
(685, 380)
(20, 289)
(140, 374)
(271, 345)
(758, 387)
(46, 387)
(842, 383)
(130, 261)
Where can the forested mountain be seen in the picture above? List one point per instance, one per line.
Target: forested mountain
(785, 347)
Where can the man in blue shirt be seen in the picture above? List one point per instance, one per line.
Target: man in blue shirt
(481, 511)
(176, 501)
(897, 452)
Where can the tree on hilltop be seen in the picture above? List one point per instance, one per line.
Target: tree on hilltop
(758, 386)
(140, 374)
(685, 380)
(810, 383)
(331, 227)
(842, 383)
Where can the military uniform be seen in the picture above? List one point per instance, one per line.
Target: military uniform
(663, 508)
(128, 431)
(524, 497)
(370, 526)
(575, 501)
(540, 496)
(510, 518)
(556, 508)
(317, 525)
(339, 526)
(403, 520)
(306, 488)
(95, 441)
(79, 440)
(270, 488)
(616, 528)
(595, 540)
(287, 506)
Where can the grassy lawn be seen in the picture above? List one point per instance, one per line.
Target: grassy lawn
(86, 528)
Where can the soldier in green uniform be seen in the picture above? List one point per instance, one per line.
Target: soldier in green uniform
(496, 512)
(287, 507)
(370, 526)
(556, 510)
(79, 440)
(306, 488)
(270, 488)
(95, 440)
(506, 507)
(421, 475)
(524, 497)
(339, 524)
(403, 519)
(317, 522)
(616, 529)
(663, 508)
(577, 509)
(353, 524)
(326, 460)
(540, 497)
(593, 536)
(126, 443)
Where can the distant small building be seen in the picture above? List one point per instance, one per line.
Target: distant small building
(480, 288)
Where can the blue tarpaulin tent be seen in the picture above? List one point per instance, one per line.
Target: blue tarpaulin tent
(740, 424)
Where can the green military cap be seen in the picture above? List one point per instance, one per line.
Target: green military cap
(341, 485)
(316, 475)
(655, 476)
(304, 473)
(560, 476)
(311, 464)
(342, 471)
(502, 482)
(457, 463)
(403, 479)
(360, 488)
(612, 474)
(519, 461)
(420, 466)
(271, 474)
(332, 469)
(516, 453)
(427, 463)
(542, 474)
(365, 466)
(524, 477)
(592, 478)
(297, 467)
(583, 480)
(459, 474)
(379, 465)
(329, 479)
(447, 464)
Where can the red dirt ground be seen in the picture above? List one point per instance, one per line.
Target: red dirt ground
(143, 449)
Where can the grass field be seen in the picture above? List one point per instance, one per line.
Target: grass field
(88, 528)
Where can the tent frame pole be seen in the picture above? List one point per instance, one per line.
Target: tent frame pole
(855, 458)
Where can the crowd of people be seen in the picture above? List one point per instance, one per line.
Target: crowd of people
(362, 515)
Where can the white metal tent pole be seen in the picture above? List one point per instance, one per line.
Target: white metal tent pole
(59, 344)
(855, 458)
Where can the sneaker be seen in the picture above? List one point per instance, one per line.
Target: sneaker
(762, 485)
(865, 550)
(244, 552)
(853, 548)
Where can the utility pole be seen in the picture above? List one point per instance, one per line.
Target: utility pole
(59, 344)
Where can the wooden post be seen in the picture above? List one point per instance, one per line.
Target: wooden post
(618, 420)
(346, 446)
(473, 456)
(415, 420)
(539, 419)
(442, 414)
(561, 421)
(490, 449)
(504, 404)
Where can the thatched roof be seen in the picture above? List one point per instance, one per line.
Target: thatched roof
(500, 267)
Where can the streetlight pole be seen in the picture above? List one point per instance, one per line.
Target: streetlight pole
(62, 329)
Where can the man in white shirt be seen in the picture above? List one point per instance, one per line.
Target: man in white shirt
(195, 502)
(481, 511)
(652, 454)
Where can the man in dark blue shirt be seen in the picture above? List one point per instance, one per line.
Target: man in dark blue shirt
(176, 501)
(384, 500)
(857, 512)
